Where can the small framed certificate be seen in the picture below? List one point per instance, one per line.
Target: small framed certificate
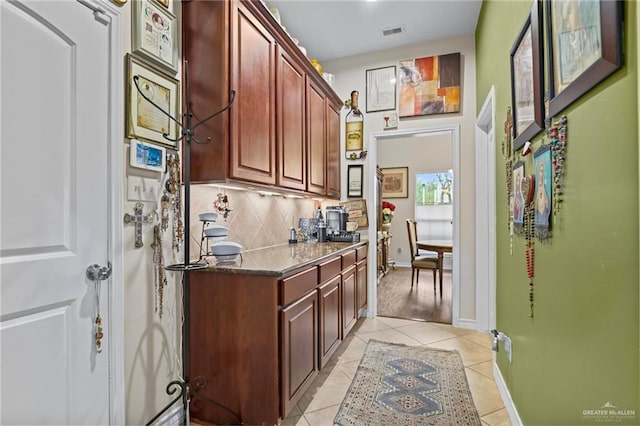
(144, 120)
(354, 174)
(154, 34)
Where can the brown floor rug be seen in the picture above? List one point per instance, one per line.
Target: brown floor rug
(408, 385)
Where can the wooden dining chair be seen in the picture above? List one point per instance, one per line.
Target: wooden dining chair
(419, 262)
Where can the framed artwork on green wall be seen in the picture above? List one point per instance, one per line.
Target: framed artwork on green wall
(584, 46)
(526, 79)
(543, 166)
(518, 196)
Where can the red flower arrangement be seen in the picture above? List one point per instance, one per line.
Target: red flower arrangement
(387, 211)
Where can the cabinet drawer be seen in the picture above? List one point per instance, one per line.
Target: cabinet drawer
(329, 269)
(361, 253)
(297, 285)
(348, 259)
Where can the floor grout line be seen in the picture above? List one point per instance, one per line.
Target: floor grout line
(382, 327)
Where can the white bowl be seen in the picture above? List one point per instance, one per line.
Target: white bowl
(216, 231)
(208, 217)
(227, 257)
(226, 248)
(214, 240)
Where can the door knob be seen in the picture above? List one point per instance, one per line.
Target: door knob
(99, 273)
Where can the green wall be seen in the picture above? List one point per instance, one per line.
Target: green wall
(582, 348)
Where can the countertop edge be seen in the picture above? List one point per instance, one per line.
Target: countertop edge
(235, 268)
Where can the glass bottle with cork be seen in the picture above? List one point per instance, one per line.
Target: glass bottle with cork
(354, 125)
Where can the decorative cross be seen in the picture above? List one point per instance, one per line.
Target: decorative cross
(137, 219)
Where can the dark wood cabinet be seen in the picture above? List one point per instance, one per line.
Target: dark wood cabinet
(233, 330)
(260, 340)
(291, 134)
(280, 129)
(362, 253)
(361, 284)
(253, 73)
(330, 325)
(316, 139)
(384, 243)
(333, 149)
(299, 327)
(349, 308)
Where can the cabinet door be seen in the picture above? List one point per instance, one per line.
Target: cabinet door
(316, 139)
(333, 150)
(252, 148)
(291, 136)
(349, 308)
(205, 26)
(361, 286)
(330, 328)
(299, 350)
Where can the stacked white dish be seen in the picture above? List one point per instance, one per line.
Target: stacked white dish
(208, 217)
(216, 233)
(226, 250)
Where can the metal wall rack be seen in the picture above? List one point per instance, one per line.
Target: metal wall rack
(186, 388)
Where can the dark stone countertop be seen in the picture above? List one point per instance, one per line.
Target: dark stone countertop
(280, 259)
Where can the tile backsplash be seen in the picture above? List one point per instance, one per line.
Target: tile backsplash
(254, 221)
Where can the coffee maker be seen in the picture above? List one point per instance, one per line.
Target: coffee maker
(337, 217)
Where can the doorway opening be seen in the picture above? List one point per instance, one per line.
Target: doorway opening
(405, 209)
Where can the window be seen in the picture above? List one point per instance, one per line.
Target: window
(434, 205)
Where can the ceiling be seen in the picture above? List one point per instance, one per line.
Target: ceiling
(332, 29)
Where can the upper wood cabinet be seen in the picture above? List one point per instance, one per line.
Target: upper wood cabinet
(316, 139)
(333, 149)
(283, 127)
(253, 72)
(291, 134)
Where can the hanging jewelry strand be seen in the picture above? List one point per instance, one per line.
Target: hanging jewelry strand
(528, 185)
(173, 187)
(508, 166)
(160, 280)
(558, 136)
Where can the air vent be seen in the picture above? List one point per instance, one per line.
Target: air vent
(393, 30)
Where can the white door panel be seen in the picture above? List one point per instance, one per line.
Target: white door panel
(54, 209)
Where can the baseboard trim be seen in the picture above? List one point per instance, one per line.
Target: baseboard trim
(506, 396)
(465, 323)
(173, 417)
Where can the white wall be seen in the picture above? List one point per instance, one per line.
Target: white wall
(152, 349)
(350, 74)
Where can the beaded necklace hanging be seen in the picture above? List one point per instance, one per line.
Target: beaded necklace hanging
(508, 167)
(558, 136)
(528, 185)
(160, 279)
(173, 186)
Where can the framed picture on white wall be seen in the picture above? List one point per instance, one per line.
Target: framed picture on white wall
(395, 182)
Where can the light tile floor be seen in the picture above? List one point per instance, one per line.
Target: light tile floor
(320, 404)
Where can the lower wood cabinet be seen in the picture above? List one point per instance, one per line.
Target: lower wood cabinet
(361, 283)
(330, 324)
(298, 348)
(349, 308)
(258, 341)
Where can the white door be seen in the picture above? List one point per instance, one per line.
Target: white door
(54, 212)
(485, 151)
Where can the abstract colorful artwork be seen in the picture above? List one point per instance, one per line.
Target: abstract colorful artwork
(430, 85)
